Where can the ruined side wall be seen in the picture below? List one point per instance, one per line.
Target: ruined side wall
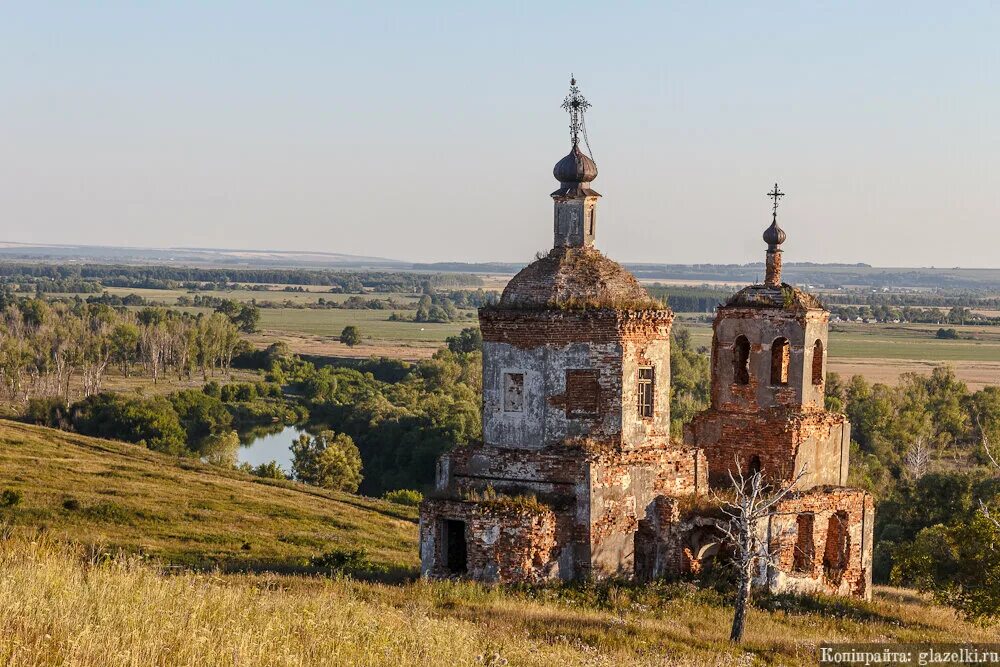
(762, 326)
(558, 475)
(818, 566)
(504, 542)
(623, 491)
(783, 441)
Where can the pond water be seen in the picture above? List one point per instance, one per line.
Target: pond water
(269, 444)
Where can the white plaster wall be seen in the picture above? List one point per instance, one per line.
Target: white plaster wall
(634, 428)
(544, 370)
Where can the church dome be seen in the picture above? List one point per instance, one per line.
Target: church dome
(577, 167)
(576, 278)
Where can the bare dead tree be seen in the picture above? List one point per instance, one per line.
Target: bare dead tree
(918, 458)
(753, 501)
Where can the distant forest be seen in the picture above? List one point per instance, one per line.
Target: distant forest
(174, 277)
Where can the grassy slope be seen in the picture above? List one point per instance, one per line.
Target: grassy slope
(183, 512)
(60, 604)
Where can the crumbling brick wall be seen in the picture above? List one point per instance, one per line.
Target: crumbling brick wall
(842, 523)
(505, 540)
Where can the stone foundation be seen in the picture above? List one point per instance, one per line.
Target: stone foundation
(503, 541)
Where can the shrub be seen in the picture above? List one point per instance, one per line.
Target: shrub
(220, 449)
(947, 334)
(404, 497)
(200, 414)
(71, 504)
(10, 498)
(343, 560)
(269, 470)
(52, 412)
(350, 336)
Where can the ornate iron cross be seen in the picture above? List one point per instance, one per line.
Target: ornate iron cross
(775, 194)
(576, 104)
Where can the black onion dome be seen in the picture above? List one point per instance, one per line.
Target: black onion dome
(577, 167)
(774, 235)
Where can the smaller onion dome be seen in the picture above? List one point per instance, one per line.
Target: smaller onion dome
(774, 235)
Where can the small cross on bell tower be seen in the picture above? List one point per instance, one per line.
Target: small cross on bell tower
(774, 236)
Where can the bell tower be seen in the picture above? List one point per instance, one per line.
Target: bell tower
(768, 382)
(575, 201)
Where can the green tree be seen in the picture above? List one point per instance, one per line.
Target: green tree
(690, 381)
(959, 564)
(220, 449)
(469, 339)
(149, 421)
(330, 460)
(350, 336)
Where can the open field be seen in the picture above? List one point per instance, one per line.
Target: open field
(183, 512)
(68, 596)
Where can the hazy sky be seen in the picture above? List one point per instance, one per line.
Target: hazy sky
(428, 130)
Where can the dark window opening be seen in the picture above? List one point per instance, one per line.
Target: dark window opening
(741, 360)
(583, 393)
(645, 391)
(837, 549)
(817, 363)
(456, 557)
(805, 548)
(754, 468)
(780, 358)
(593, 217)
(513, 392)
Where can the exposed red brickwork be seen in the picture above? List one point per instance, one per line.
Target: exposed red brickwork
(583, 392)
(731, 439)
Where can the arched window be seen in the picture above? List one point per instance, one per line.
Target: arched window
(780, 357)
(805, 548)
(754, 468)
(818, 362)
(741, 360)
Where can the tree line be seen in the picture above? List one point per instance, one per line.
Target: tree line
(45, 346)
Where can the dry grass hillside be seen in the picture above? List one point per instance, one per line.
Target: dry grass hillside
(63, 601)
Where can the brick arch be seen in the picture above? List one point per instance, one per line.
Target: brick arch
(781, 355)
(817, 365)
(837, 549)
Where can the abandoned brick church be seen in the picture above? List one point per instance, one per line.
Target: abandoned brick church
(577, 475)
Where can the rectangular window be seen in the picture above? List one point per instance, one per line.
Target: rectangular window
(645, 391)
(513, 392)
(583, 393)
